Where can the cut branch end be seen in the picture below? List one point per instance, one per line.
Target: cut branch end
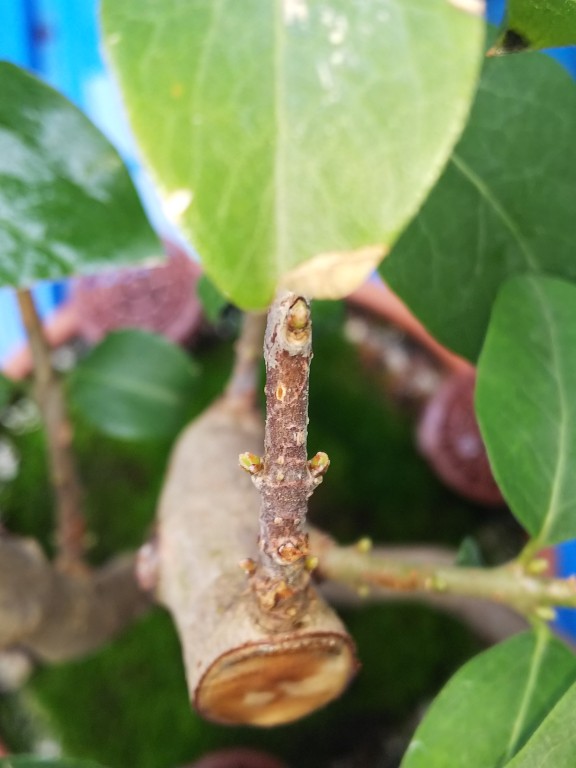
(277, 681)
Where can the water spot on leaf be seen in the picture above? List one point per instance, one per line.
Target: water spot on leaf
(177, 203)
(336, 24)
(295, 10)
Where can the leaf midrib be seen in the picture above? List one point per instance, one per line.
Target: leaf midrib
(142, 389)
(488, 195)
(563, 425)
(542, 636)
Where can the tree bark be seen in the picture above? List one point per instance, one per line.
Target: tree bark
(55, 616)
(238, 669)
(284, 477)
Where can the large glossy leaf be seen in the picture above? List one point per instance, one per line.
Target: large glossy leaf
(491, 707)
(24, 761)
(213, 302)
(67, 204)
(285, 130)
(526, 403)
(134, 385)
(504, 205)
(554, 743)
(538, 24)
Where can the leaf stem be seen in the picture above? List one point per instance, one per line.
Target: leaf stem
(70, 521)
(529, 552)
(243, 383)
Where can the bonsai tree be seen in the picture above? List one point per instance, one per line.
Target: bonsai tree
(300, 146)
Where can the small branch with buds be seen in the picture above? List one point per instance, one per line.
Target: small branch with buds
(70, 521)
(370, 572)
(284, 477)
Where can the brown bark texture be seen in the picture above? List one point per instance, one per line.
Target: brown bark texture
(238, 669)
(69, 497)
(56, 616)
(284, 477)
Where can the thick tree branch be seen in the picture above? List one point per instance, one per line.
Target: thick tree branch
(56, 616)
(70, 521)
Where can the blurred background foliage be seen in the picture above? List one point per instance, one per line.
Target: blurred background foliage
(127, 705)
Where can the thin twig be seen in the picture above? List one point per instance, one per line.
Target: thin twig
(284, 476)
(243, 383)
(70, 521)
(530, 594)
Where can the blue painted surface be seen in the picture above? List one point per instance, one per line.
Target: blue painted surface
(59, 40)
(495, 11)
(15, 42)
(67, 45)
(567, 57)
(566, 566)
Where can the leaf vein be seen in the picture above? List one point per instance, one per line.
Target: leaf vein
(485, 192)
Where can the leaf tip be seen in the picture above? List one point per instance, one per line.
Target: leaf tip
(334, 274)
(475, 7)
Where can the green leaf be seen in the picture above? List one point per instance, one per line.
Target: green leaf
(31, 761)
(491, 706)
(503, 207)
(469, 554)
(287, 130)
(134, 385)
(213, 302)
(525, 403)
(5, 390)
(67, 204)
(532, 24)
(554, 743)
